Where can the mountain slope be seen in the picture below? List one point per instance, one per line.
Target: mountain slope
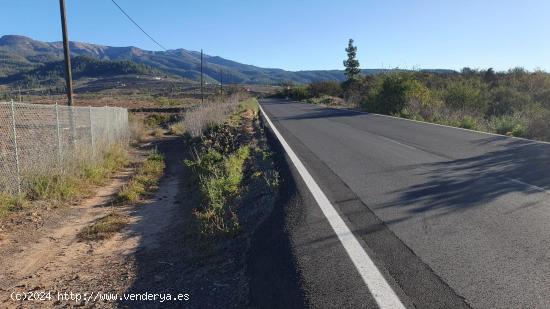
(52, 73)
(19, 53)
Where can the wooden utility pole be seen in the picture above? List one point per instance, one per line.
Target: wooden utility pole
(67, 53)
(221, 83)
(202, 91)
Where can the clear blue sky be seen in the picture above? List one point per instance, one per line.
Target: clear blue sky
(309, 34)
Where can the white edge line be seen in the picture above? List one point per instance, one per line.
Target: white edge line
(430, 123)
(380, 289)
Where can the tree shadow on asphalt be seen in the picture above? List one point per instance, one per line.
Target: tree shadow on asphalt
(520, 166)
(315, 112)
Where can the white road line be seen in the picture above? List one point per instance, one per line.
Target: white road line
(376, 283)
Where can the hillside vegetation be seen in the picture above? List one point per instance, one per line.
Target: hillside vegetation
(52, 73)
(516, 102)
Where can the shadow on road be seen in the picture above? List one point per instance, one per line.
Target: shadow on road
(519, 166)
(315, 112)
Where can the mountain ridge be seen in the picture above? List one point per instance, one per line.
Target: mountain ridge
(21, 53)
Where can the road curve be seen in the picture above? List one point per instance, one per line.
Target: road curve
(451, 218)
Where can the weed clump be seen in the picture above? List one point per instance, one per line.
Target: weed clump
(145, 181)
(10, 203)
(220, 178)
(104, 227)
(508, 125)
(177, 128)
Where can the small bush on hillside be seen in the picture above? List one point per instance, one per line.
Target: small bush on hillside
(393, 95)
(327, 88)
(504, 101)
(508, 125)
(538, 122)
(156, 120)
(468, 122)
(326, 100)
(299, 93)
(462, 95)
(543, 98)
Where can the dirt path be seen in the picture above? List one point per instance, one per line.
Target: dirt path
(50, 258)
(38, 261)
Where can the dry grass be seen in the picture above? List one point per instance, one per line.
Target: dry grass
(62, 187)
(138, 130)
(202, 116)
(158, 132)
(177, 128)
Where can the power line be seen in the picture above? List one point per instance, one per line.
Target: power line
(136, 24)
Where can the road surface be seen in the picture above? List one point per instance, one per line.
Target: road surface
(451, 218)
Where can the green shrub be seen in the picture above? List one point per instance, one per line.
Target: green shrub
(113, 160)
(327, 88)
(219, 179)
(53, 187)
(393, 95)
(156, 120)
(508, 125)
(250, 104)
(543, 97)
(299, 93)
(9, 203)
(466, 95)
(94, 173)
(505, 100)
(131, 192)
(469, 122)
(538, 123)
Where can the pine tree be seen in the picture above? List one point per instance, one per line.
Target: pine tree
(352, 64)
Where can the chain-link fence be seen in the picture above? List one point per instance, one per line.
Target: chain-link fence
(37, 138)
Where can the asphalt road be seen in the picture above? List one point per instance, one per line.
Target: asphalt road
(452, 218)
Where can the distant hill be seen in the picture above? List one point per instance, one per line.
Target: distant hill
(52, 73)
(19, 54)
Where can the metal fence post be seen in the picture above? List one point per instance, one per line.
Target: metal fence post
(58, 132)
(92, 132)
(15, 146)
(73, 128)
